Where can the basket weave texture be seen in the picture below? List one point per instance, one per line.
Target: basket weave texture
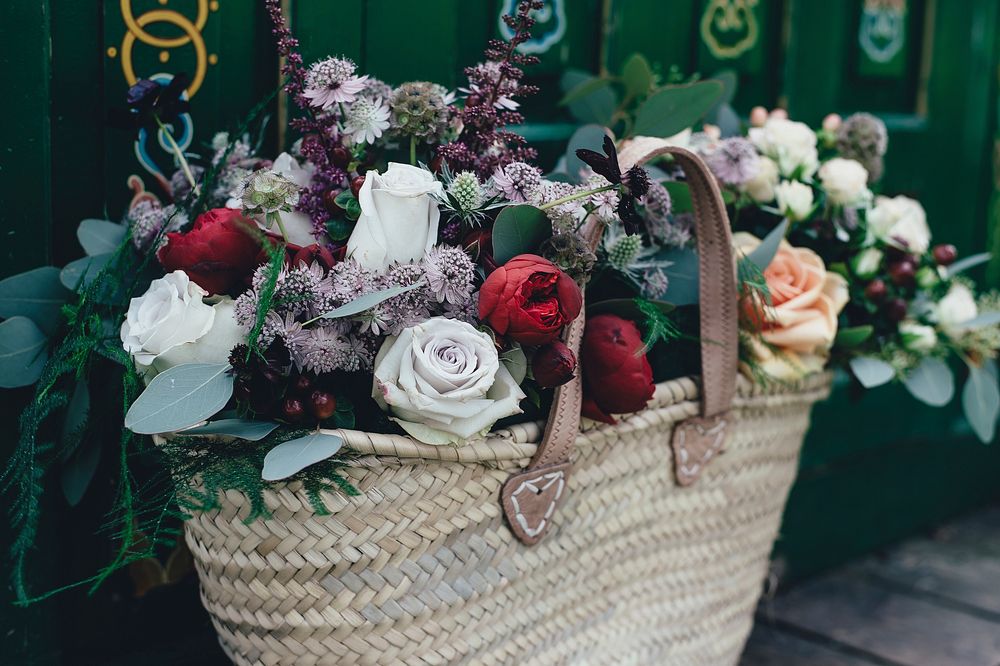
(422, 568)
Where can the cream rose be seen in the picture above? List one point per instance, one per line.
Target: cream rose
(801, 321)
(171, 313)
(761, 186)
(795, 200)
(443, 382)
(956, 308)
(399, 219)
(900, 221)
(791, 144)
(213, 347)
(845, 182)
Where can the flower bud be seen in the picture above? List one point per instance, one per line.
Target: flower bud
(944, 255)
(758, 116)
(553, 364)
(902, 272)
(831, 123)
(927, 277)
(917, 337)
(867, 263)
(876, 290)
(780, 114)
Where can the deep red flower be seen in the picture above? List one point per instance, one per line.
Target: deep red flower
(219, 252)
(553, 364)
(617, 377)
(529, 299)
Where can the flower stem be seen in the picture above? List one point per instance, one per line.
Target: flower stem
(413, 151)
(185, 167)
(276, 218)
(576, 195)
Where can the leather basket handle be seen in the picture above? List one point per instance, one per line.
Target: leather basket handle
(531, 497)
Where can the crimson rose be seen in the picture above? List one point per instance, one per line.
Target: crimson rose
(617, 378)
(529, 299)
(219, 252)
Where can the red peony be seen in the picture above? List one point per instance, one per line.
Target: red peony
(553, 364)
(529, 299)
(617, 377)
(219, 252)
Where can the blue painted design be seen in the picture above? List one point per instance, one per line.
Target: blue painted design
(183, 137)
(550, 26)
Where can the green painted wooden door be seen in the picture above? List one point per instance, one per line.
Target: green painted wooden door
(928, 67)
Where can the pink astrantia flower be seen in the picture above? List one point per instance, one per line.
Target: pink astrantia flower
(332, 81)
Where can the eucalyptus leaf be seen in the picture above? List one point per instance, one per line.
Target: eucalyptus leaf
(339, 230)
(637, 75)
(675, 108)
(181, 397)
(519, 230)
(100, 236)
(965, 264)
(22, 352)
(680, 196)
(763, 254)
(293, 456)
(872, 372)
(583, 88)
(597, 106)
(81, 272)
(37, 294)
(516, 362)
(981, 402)
(77, 472)
(680, 265)
(982, 319)
(585, 136)
(252, 431)
(854, 336)
(932, 382)
(367, 302)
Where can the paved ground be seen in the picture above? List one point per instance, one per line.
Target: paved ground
(932, 601)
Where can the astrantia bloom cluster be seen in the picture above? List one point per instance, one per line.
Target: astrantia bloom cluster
(518, 181)
(332, 81)
(367, 118)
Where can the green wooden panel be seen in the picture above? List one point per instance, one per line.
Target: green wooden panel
(408, 41)
(329, 29)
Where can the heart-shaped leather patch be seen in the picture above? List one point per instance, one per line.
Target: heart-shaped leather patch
(695, 442)
(531, 497)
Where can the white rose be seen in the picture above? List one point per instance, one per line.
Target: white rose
(213, 347)
(399, 219)
(443, 382)
(917, 337)
(956, 308)
(761, 186)
(845, 181)
(795, 199)
(791, 144)
(170, 313)
(900, 221)
(867, 262)
(298, 226)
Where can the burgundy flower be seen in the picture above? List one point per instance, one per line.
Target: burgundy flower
(634, 183)
(553, 364)
(617, 377)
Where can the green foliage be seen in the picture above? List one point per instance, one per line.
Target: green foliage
(265, 299)
(656, 325)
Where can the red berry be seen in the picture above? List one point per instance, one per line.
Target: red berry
(292, 409)
(902, 272)
(895, 310)
(356, 184)
(473, 100)
(322, 404)
(330, 202)
(340, 157)
(302, 384)
(876, 290)
(945, 254)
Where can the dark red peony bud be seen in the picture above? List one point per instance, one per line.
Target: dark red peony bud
(436, 164)
(895, 310)
(314, 252)
(330, 202)
(322, 405)
(876, 290)
(293, 410)
(902, 272)
(553, 364)
(945, 255)
(356, 184)
(340, 157)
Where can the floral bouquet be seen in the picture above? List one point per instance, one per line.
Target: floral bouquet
(402, 268)
(833, 271)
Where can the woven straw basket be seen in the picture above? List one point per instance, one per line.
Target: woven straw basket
(611, 545)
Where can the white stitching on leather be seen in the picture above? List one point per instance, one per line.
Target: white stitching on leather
(718, 431)
(557, 477)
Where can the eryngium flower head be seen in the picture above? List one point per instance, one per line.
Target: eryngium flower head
(467, 190)
(419, 109)
(266, 191)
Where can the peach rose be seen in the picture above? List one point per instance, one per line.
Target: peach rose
(801, 322)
